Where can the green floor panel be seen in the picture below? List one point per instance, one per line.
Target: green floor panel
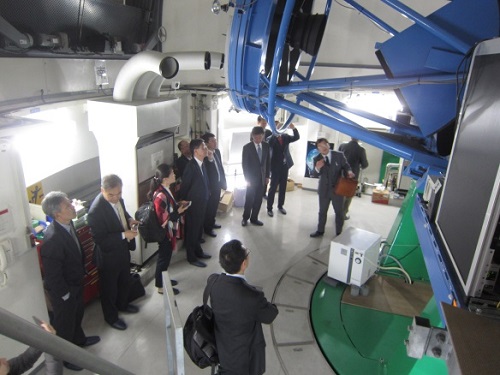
(357, 340)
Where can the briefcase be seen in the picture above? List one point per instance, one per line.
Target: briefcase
(346, 187)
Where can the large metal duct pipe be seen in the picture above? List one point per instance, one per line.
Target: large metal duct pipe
(143, 74)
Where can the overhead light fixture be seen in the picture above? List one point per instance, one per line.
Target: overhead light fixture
(217, 7)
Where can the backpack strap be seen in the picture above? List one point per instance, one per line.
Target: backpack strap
(208, 289)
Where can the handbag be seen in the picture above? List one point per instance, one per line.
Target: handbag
(199, 333)
(136, 288)
(346, 187)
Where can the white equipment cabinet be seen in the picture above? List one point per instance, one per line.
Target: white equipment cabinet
(354, 256)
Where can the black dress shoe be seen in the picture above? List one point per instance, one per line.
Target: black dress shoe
(72, 366)
(176, 291)
(316, 234)
(202, 240)
(216, 226)
(131, 309)
(205, 256)
(211, 233)
(173, 282)
(257, 222)
(119, 324)
(282, 210)
(198, 263)
(91, 340)
(270, 213)
(244, 223)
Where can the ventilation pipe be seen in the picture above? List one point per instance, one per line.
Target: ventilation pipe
(143, 74)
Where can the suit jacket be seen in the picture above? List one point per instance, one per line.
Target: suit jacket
(329, 175)
(180, 164)
(216, 181)
(282, 151)
(63, 261)
(193, 186)
(239, 311)
(107, 230)
(255, 171)
(218, 160)
(355, 155)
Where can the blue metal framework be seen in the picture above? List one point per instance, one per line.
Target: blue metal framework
(423, 64)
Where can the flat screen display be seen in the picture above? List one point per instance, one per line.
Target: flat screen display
(472, 171)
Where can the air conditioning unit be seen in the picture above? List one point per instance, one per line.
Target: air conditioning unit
(354, 256)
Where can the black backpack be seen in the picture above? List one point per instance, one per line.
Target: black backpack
(149, 228)
(199, 333)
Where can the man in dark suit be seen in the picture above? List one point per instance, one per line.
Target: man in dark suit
(216, 180)
(255, 162)
(64, 270)
(239, 311)
(329, 165)
(356, 157)
(281, 162)
(262, 122)
(185, 157)
(194, 188)
(110, 225)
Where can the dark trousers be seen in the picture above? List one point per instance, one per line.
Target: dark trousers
(114, 279)
(279, 178)
(338, 206)
(253, 201)
(68, 315)
(164, 256)
(193, 230)
(212, 206)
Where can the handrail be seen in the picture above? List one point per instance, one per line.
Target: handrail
(23, 331)
(174, 329)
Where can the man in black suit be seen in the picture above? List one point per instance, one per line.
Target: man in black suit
(64, 270)
(194, 188)
(329, 165)
(356, 157)
(256, 163)
(281, 162)
(185, 157)
(217, 181)
(239, 311)
(262, 122)
(110, 225)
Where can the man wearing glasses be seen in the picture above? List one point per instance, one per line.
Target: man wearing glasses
(239, 311)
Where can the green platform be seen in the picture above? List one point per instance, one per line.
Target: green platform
(357, 340)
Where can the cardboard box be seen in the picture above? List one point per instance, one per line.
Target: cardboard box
(226, 201)
(380, 196)
(290, 185)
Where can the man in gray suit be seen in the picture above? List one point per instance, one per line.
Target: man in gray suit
(328, 165)
(239, 311)
(255, 161)
(356, 157)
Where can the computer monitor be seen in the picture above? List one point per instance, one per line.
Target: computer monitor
(469, 209)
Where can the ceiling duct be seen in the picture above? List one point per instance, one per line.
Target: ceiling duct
(143, 74)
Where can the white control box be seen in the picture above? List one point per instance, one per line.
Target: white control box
(354, 256)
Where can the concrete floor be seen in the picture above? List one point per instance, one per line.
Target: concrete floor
(282, 254)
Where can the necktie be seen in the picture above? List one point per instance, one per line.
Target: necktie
(73, 234)
(280, 140)
(259, 152)
(121, 215)
(216, 161)
(327, 162)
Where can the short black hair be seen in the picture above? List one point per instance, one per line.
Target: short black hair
(194, 144)
(206, 137)
(260, 118)
(257, 130)
(319, 140)
(231, 256)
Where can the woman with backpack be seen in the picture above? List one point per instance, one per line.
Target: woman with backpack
(169, 214)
